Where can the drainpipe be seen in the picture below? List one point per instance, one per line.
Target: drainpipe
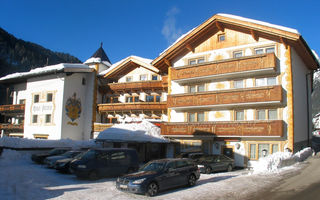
(308, 110)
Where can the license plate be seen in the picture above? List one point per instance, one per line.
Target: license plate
(200, 166)
(123, 186)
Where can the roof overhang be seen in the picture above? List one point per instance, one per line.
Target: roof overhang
(127, 65)
(286, 36)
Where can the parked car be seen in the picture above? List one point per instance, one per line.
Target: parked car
(160, 175)
(63, 165)
(104, 162)
(39, 158)
(213, 163)
(51, 160)
(192, 155)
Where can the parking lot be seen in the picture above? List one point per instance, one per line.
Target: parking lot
(22, 179)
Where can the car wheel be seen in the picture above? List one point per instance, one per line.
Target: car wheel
(152, 189)
(93, 175)
(229, 169)
(192, 180)
(208, 170)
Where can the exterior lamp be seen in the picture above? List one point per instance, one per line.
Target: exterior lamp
(264, 152)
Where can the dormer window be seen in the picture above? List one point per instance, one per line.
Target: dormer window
(143, 77)
(129, 79)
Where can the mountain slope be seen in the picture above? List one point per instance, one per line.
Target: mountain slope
(17, 55)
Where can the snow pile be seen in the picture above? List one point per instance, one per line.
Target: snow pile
(138, 132)
(12, 155)
(276, 161)
(12, 142)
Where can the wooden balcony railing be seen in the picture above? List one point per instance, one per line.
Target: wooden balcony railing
(132, 106)
(140, 85)
(17, 127)
(231, 128)
(19, 108)
(225, 97)
(244, 64)
(98, 127)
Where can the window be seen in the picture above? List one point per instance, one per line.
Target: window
(48, 118)
(36, 98)
(149, 98)
(196, 61)
(238, 84)
(143, 77)
(49, 97)
(237, 54)
(196, 117)
(252, 151)
(158, 98)
(239, 115)
(132, 99)
(261, 114)
(266, 81)
(275, 148)
(154, 77)
(266, 114)
(196, 88)
(263, 150)
(115, 100)
(264, 50)
(272, 114)
(34, 119)
(221, 37)
(22, 101)
(118, 156)
(129, 79)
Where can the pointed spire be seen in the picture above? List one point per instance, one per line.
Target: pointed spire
(100, 53)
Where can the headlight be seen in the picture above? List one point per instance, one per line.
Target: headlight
(139, 181)
(82, 166)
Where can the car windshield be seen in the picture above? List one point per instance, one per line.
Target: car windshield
(68, 153)
(89, 155)
(80, 155)
(153, 166)
(54, 151)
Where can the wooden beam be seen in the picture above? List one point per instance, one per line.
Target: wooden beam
(167, 62)
(219, 26)
(284, 42)
(254, 35)
(189, 47)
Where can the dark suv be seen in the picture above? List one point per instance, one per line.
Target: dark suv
(160, 175)
(105, 162)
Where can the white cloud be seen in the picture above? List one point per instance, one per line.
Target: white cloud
(169, 29)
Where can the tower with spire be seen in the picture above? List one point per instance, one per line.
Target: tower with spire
(99, 60)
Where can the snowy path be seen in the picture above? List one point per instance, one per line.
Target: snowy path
(22, 179)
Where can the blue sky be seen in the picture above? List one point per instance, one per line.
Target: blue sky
(140, 27)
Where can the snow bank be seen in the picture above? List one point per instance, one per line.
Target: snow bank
(138, 132)
(34, 143)
(276, 161)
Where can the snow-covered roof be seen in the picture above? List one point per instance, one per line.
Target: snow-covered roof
(316, 56)
(144, 61)
(134, 132)
(260, 22)
(62, 67)
(99, 56)
(238, 18)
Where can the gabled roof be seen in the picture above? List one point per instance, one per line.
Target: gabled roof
(47, 70)
(219, 22)
(99, 56)
(127, 65)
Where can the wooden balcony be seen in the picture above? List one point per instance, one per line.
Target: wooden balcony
(263, 63)
(225, 129)
(12, 127)
(132, 106)
(272, 94)
(140, 85)
(14, 108)
(98, 127)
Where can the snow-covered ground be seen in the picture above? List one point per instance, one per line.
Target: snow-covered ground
(22, 179)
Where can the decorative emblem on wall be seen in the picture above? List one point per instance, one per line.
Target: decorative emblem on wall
(73, 109)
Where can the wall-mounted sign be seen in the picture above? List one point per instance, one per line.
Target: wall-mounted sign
(73, 109)
(42, 108)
